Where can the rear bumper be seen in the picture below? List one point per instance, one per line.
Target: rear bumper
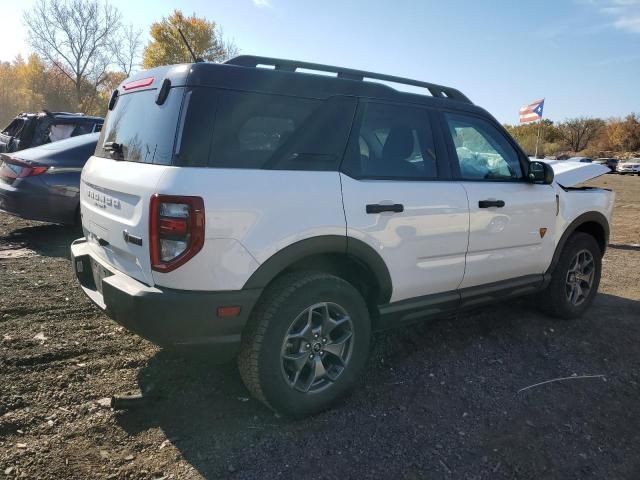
(168, 318)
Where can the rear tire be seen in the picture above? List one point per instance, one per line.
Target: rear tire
(575, 280)
(306, 343)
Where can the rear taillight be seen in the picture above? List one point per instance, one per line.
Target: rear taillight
(176, 230)
(13, 168)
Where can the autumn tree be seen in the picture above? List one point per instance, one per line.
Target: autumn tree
(527, 134)
(74, 36)
(623, 135)
(204, 36)
(577, 133)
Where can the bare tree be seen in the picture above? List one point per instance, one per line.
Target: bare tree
(229, 47)
(74, 35)
(125, 48)
(578, 132)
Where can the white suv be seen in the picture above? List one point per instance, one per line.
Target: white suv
(281, 217)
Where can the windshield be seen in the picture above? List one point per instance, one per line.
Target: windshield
(139, 130)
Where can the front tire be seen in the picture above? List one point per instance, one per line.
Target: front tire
(306, 343)
(575, 280)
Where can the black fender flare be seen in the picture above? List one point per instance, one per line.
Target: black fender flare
(596, 217)
(325, 244)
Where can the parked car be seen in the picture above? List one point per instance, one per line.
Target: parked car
(281, 217)
(627, 167)
(611, 163)
(43, 183)
(580, 159)
(32, 129)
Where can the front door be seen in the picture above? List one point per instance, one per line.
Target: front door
(512, 221)
(398, 200)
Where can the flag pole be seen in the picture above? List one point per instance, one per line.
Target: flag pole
(538, 137)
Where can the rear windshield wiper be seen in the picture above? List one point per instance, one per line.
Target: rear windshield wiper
(113, 147)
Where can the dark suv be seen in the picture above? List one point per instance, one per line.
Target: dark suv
(32, 129)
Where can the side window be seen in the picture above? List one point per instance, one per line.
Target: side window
(482, 151)
(253, 130)
(392, 142)
(82, 129)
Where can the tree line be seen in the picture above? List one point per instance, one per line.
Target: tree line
(82, 49)
(594, 137)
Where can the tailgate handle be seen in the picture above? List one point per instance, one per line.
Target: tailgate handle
(132, 238)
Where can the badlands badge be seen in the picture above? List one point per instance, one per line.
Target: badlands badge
(543, 232)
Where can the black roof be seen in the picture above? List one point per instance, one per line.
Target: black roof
(295, 78)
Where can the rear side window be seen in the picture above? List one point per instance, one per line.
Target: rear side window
(228, 129)
(139, 130)
(392, 142)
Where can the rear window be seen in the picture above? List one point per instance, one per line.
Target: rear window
(228, 129)
(139, 130)
(14, 127)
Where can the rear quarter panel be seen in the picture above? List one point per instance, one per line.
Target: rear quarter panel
(250, 215)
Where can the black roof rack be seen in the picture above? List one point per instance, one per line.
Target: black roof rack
(439, 91)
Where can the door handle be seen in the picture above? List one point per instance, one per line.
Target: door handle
(491, 203)
(378, 208)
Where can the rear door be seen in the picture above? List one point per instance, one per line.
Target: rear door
(398, 199)
(134, 150)
(512, 221)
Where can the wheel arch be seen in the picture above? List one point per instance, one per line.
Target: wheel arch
(592, 223)
(347, 257)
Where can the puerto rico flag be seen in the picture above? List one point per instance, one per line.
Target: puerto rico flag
(532, 112)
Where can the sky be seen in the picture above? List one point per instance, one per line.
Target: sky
(582, 56)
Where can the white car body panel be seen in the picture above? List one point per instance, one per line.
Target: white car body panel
(506, 242)
(249, 216)
(573, 203)
(423, 247)
(115, 196)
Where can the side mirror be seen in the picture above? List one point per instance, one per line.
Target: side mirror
(540, 172)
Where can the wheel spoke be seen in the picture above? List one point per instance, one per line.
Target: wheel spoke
(333, 324)
(297, 359)
(319, 370)
(575, 293)
(336, 348)
(585, 277)
(575, 264)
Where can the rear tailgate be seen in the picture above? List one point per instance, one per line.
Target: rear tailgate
(114, 202)
(135, 148)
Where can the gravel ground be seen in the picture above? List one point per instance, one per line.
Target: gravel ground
(439, 400)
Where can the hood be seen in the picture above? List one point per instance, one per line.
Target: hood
(569, 173)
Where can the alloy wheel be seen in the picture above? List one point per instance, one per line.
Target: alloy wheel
(580, 277)
(317, 347)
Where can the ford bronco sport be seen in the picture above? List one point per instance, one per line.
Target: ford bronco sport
(280, 216)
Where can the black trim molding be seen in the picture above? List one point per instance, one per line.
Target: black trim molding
(430, 306)
(326, 244)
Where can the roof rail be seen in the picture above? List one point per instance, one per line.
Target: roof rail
(439, 91)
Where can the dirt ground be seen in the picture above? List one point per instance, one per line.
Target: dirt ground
(440, 400)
